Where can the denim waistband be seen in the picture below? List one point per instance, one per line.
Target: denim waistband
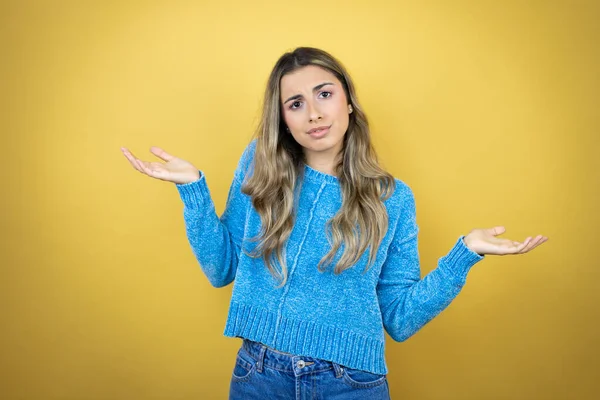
(298, 365)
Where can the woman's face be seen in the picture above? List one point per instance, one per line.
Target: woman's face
(315, 110)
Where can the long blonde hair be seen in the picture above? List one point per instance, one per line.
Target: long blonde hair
(362, 221)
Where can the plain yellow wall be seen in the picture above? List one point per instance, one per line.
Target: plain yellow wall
(488, 110)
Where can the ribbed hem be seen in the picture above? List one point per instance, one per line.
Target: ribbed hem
(194, 194)
(306, 338)
(459, 261)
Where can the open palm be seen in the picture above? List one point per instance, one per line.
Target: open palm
(174, 169)
(485, 241)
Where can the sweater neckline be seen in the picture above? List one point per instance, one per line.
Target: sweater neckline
(318, 176)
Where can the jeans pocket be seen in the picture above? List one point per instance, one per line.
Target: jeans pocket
(243, 369)
(362, 379)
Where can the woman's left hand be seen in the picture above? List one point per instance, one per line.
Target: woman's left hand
(484, 241)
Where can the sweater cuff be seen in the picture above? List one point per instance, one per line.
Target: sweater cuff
(194, 194)
(460, 260)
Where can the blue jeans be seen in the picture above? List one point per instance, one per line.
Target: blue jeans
(263, 373)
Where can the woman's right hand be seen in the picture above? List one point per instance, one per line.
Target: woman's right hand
(174, 170)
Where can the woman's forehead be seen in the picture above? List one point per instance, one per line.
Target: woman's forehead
(304, 79)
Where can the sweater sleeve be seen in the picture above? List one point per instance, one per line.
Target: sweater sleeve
(216, 241)
(408, 302)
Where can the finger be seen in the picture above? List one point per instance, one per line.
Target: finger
(541, 240)
(497, 230)
(146, 168)
(532, 244)
(510, 246)
(127, 153)
(521, 248)
(160, 153)
(131, 159)
(140, 166)
(527, 242)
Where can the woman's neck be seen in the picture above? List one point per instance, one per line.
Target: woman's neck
(324, 161)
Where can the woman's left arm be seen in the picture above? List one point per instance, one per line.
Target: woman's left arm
(408, 302)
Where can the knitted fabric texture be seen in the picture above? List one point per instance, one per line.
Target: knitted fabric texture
(340, 318)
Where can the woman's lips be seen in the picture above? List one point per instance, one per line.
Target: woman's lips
(320, 132)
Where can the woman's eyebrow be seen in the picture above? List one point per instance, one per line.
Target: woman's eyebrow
(319, 86)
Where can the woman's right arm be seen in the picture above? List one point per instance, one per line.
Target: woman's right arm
(216, 242)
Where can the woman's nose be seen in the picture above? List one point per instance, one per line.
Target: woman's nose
(314, 113)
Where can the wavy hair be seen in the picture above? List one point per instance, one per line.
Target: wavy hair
(362, 221)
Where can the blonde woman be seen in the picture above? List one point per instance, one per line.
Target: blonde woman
(320, 242)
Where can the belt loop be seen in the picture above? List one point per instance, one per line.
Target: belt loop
(339, 370)
(261, 358)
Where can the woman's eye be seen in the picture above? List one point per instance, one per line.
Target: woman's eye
(297, 104)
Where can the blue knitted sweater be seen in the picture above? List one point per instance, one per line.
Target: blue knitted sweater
(340, 318)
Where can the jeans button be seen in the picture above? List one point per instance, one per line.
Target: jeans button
(300, 364)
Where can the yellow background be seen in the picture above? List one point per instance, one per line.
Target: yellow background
(488, 110)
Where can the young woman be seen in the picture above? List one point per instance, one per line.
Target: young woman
(320, 241)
